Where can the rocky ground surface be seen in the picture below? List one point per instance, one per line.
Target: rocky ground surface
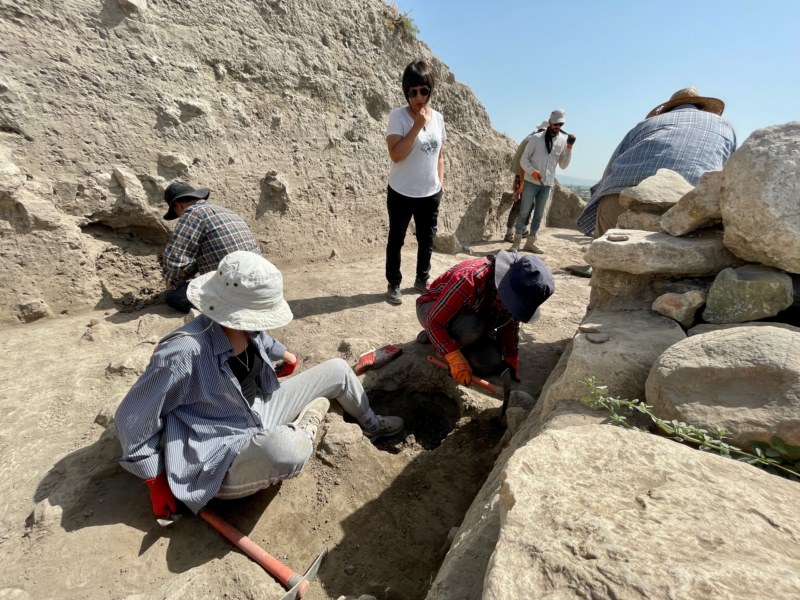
(75, 525)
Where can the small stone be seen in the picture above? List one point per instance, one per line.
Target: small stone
(589, 327)
(617, 237)
(350, 569)
(598, 338)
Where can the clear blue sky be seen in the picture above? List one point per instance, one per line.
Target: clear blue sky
(608, 62)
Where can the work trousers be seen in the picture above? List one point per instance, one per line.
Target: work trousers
(534, 198)
(425, 212)
(281, 450)
(608, 211)
(472, 337)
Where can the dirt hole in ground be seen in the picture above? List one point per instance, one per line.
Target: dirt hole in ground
(394, 545)
(428, 417)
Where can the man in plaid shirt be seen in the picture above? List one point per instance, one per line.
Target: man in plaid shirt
(204, 235)
(471, 313)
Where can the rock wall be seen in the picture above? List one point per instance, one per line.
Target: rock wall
(279, 107)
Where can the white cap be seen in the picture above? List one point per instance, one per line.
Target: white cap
(558, 116)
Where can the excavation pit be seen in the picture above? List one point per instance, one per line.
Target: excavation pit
(428, 416)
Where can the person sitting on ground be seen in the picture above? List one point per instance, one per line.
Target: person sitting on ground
(519, 177)
(543, 152)
(685, 134)
(471, 313)
(204, 235)
(208, 417)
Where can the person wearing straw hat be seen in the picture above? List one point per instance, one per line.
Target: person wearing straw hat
(545, 150)
(471, 313)
(204, 234)
(208, 417)
(686, 134)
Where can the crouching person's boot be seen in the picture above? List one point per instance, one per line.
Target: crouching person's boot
(509, 237)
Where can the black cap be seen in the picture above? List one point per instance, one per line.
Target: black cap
(180, 190)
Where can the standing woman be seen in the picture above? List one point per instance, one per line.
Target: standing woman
(415, 137)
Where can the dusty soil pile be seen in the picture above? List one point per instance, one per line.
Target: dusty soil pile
(75, 525)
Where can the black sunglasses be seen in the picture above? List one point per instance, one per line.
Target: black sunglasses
(423, 91)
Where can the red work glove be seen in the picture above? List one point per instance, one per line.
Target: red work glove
(513, 362)
(164, 503)
(536, 175)
(287, 368)
(459, 367)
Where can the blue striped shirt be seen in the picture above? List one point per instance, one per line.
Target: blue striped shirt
(205, 234)
(686, 140)
(186, 413)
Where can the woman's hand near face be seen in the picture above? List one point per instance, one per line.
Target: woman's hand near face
(423, 116)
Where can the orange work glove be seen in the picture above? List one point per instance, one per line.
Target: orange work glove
(536, 175)
(161, 497)
(459, 367)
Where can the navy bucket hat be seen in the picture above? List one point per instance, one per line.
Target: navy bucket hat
(180, 190)
(524, 283)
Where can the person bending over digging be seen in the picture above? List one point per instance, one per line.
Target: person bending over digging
(208, 417)
(471, 313)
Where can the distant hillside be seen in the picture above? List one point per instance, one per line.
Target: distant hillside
(577, 181)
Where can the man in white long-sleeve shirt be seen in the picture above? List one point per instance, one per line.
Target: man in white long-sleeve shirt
(544, 151)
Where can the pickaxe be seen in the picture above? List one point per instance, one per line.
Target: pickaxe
(296, 584)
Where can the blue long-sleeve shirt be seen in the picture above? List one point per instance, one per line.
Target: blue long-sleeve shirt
(687, 140)
(187, 414)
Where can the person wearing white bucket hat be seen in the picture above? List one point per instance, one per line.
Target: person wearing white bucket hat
(208, 417)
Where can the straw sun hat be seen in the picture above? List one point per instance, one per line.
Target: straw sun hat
(245, 293)
(689, 96)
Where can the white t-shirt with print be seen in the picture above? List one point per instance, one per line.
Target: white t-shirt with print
(417, 175)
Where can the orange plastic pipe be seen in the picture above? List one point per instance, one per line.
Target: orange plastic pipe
(476, 380)
(286, 576)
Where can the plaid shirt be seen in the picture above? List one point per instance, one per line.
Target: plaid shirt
(467, 288)
(686, 140)
(205, 234)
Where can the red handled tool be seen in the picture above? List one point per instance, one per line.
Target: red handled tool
(296, 584)
(476, 380)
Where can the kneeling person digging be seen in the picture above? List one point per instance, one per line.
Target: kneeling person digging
(471, 313)
(209, 419)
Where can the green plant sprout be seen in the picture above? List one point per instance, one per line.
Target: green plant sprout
(401, 21)
(775, 456)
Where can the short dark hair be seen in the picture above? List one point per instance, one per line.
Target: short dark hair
(417, 73)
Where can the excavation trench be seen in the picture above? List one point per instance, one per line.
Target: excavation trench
(394, 545)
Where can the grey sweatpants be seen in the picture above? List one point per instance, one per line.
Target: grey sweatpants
(281, 450)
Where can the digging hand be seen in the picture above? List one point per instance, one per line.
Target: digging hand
(513, 362)
(164, 503)
(459, 367)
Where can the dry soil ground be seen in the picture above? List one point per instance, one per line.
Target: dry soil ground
(75, 525)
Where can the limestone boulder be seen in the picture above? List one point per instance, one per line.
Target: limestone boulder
(748, 293)
(759, 200)
(644, 252)
(697, 209)
(603, 512)
(744, 379)
(657, 193)
(643, 221)
(618, 350)
(564, 208)
(680, 307)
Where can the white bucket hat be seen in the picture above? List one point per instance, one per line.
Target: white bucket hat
(245, 292)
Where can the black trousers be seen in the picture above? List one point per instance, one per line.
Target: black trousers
(177, 298)
(425, 212)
